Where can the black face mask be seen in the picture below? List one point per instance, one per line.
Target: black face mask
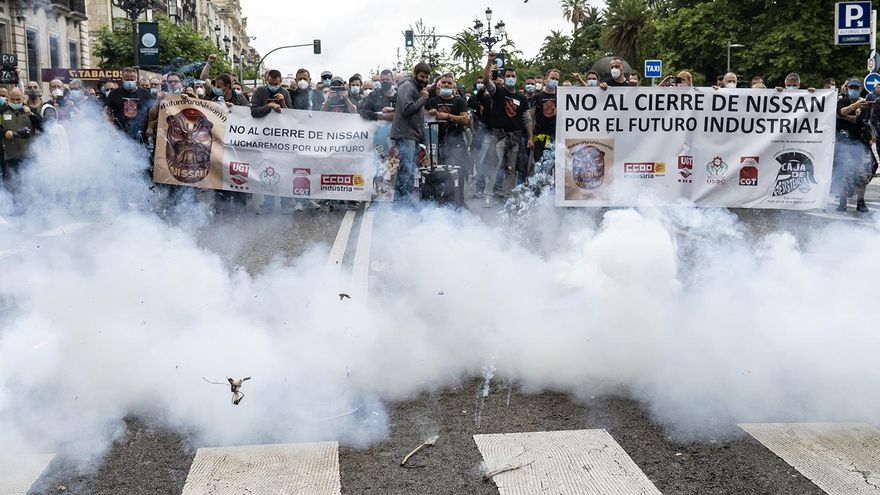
(387, 85)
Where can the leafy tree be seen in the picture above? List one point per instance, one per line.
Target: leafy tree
(179, 47)
(780, 37)
(628, 29)
(468, 49)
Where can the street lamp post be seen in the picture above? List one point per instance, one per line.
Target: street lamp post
(486, 36)
(729, 46)
(316, 44)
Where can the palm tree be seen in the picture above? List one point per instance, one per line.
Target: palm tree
(467, 48)
(573, 11)
(592, 16)
(624, 21)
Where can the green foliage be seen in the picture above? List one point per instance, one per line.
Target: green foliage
(780, 37)
(629, 30)
(574, 11)
(175, 42)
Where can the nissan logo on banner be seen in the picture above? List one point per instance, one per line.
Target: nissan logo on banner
(148, 44)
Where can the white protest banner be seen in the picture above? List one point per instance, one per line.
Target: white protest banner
(741, 148)
(295, 153)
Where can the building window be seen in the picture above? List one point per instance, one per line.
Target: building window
(33, 58)
(4, 39)
(74, 54)
(54, 55)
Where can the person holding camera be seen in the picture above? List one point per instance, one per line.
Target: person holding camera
(508, 118)
(271, 97)
(338, 100)
(17, 128)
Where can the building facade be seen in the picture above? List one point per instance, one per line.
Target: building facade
(45, 34)
(219, 21)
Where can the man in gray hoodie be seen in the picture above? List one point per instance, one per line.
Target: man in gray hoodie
(407, 130)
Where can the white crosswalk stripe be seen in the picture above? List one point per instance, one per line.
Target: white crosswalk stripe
(288, 469)
(581, 462)
(840, 458)
(18, 473)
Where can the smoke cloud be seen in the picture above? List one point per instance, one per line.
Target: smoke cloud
(705, 319)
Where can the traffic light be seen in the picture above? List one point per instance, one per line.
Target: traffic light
(408, 35)
(317, 46)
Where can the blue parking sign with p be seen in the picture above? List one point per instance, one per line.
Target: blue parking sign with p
(852, 23)
(653, 68)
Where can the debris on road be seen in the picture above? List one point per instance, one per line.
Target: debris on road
(489, 475)
(427, 443)
(343, 295)
(235, 386)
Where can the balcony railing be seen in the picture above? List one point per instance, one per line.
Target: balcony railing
(74, 7)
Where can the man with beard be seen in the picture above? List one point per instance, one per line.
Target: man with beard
(355, 87)
(618, 77)
(129, 105)
(508, 118)
(35, 102)
(407, 130)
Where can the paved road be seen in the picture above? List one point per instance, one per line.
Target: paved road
(149, 459)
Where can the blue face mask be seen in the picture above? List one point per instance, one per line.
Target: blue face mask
(592, 82)
(218, 91)
(552, 84)
(792, 88)
(15, 106)
(446, 92)
(130, 85)
(853, 93)
(327, 82)
(274, 89)
(75, 94)
(2, 101)
(510, 82)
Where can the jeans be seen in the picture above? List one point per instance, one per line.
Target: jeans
(484, 161)
(407, 149)
(507, 148)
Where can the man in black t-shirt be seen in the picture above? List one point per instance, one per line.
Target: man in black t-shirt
(618, 75)
(129, 105)
(545, 114)
(452, 112)
(854, 162)
(509, 120)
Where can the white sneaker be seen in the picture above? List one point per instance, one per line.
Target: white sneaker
(488, 201)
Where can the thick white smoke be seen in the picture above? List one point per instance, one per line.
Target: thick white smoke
(687, 310)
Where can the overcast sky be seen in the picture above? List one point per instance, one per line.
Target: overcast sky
(359, 36)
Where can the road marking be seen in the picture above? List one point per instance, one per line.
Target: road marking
(361, 269)
(20, 472)
(9, 253)
(834, 216)
(840, 458)
(289, 469)
(581, 462)
(337, 252)
(64, 230)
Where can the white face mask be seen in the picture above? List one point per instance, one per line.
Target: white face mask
(302, 84)
(615, 72)
(539, 86)
(367, 92)
(730, 85)
(200, 91)
(57, 92)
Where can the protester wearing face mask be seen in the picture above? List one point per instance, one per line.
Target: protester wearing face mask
(379, 105)
(854, 163)
(545, 115)
(728, 81)
(174, 87)
(355, 90)
(304, 97)
(618, 75)
(509, 120)
(239, 90)
(221, 92)
(155, 86)
(592, 79)
(539, 83)
(530, 89)
(129, 105)
(338, 99)
(56, 90)
(326, 78)
(793, 83)
(34, 98)
(266, 100)
(76, 96)
(407, 130)
(105, 91)
(452, 113)
(368, 87)
(634, 79)
(17, 129)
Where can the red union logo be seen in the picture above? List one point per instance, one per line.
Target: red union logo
(639, 168)
(336, 180)
(238, 173)
(302, 184)
(748, 174)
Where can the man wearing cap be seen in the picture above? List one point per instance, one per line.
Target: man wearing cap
(338, 100)
(854, 162)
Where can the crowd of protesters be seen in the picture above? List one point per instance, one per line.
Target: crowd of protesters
(498, 127)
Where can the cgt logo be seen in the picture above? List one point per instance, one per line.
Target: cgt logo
(302, 183)
(238, 174)
(685, 169)
(748, 173)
